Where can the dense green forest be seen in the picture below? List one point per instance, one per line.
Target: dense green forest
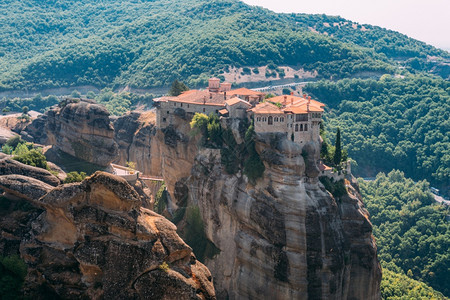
(392, 123)
(151, 43)
(413, 236)
(397, 286)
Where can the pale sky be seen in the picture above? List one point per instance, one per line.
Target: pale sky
(425, 20)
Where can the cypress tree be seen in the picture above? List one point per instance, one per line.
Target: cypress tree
(177, 88)
(338, 151)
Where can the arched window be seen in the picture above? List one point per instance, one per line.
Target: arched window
(306, 127)
(258, 119)
(275, 119)
(301, 127)
(282, 119)
(270, 120)
(296, 127)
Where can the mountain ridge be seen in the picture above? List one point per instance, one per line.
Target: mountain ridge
(143, 44)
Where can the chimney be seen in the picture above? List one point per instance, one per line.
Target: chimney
(225, 95)
(292, 101)
(309, 102)
(292, 93)
(204, 100)
(304, 96)
(210, 95)
(285, 99)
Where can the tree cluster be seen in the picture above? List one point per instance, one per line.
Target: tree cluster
(413, 236)
(392, 123)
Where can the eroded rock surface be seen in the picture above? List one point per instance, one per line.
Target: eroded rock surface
(83, 130)
(8, 166)
(24, 187)
(284, 237)
(93, 240)
(135, 134)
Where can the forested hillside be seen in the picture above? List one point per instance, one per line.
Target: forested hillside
(413, 236)
(392, 123)
(150, 43)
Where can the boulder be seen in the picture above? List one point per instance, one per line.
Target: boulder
(94, 240)
(82, 129)
(24, 187)
(9, 166)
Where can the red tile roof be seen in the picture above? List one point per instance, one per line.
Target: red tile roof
(237, 100)
(245, 92)
(266, 108)
(298, 102)
(197, 97)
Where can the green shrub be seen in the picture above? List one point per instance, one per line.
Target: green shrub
(253, 166)
(337, 189)
(75, 177)
(7, 149)
(160, 199)
(195, 236)
(12, 275)
(33, 157)
(14, 141)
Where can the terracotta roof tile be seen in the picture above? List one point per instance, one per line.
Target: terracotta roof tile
(266, 108)
(197, 97)
(297, 101)
(237, 100)
(244, 92)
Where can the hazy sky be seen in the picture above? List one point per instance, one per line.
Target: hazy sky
(425, 20)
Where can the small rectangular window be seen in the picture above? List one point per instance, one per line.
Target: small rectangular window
(164, 119)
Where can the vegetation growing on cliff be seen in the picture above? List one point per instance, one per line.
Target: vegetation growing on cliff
(12, 275)
(413, 236)
(253, 166)
(75, 177)
(161, 199)
(194, 235)
(392, 123)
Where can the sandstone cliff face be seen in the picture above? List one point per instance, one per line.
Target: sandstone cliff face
(93, 240)
(134, 133)
(285, 237)
(82, 130)
(154, 150)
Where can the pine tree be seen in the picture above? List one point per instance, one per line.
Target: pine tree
(338, 151)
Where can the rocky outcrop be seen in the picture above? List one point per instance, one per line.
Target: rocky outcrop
(36, 132)
(135, 134)
(24, 187)
(9, 166)
(284, 237)
(93, 240)
(83, 130)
